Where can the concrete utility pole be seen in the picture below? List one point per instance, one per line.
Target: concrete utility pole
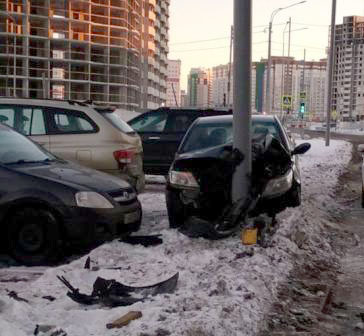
(229, 74)
(242, 92)
(331, 70)
(289, 36)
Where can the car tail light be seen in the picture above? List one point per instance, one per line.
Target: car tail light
(123, 157)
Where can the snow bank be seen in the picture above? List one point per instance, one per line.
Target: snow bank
(220, 291)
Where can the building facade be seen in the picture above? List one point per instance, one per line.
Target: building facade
(302, 81)
(155, 54)
(199, 88)
(221, 95)
(174, 83)
(348, 77)
(80, 50)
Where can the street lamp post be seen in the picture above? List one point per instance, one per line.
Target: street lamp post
(268, 95)
(331, 70)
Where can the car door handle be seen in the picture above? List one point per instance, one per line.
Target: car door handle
(154, 138)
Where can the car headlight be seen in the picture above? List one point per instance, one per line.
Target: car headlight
(91, 199)
(279, 186)
(182, 179)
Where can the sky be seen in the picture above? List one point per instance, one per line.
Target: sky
(200, 29)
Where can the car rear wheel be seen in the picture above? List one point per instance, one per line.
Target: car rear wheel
(33, 236)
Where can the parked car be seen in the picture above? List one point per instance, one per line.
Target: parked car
(162, 130)
(196, 186)
(46, 201)
(93, 136)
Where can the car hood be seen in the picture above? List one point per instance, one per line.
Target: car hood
(206, 153)
(72, 174)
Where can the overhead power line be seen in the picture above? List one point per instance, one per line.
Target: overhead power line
(212, 48)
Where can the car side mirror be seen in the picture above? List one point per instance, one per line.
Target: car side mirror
(361, 149)
(301, 149)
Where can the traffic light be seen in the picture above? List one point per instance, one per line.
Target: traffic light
(302, 109)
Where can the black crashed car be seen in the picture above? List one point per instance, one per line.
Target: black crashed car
(46, 202)
(196, 186)
(162, 130)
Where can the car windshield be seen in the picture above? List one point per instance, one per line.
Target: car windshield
(119, 123)
(17, 149)
(205, 135)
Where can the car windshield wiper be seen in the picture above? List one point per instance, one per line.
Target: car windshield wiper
(22, 161)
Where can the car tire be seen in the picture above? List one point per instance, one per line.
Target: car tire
(176, 210)
(295, 195)
(34, 236)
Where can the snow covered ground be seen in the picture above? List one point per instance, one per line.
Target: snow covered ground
(220, 291)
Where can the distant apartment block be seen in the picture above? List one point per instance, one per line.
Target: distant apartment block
(199, 88)
(295, 78)
(174, 83)
(348, 77)
(220, 93)
(84, 50)
(184, 98)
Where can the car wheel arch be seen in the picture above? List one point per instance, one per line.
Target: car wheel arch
(36, 204)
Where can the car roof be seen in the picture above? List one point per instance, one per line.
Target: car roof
(67, 104)
(229, 118)
(191, 109)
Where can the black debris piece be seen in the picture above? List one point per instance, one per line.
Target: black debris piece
(48, 330)
(87, 263)
(146, 241)
(49, 298)
(14, 295)
(114, 294)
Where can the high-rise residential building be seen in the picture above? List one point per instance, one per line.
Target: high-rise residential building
(309, 81)
(174, 83)
(348, 77)
(199, 88)
(220, 93)
(84, 50)
(155, 53)
(296, 79)
(184, 98)
(221, 96)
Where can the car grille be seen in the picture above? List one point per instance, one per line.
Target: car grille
(123, 196)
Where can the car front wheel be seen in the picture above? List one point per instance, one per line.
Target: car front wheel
(176, 210)
(295, 195)
(33, 236)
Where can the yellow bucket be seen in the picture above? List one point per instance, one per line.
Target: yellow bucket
(249, 236)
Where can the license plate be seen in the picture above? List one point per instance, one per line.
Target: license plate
(131, 217)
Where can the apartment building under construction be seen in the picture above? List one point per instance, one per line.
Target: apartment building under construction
(83, 50)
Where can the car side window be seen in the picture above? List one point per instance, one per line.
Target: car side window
(179, 123)
(154, 122)
(7, 115)
(68, 121)
(31, 121)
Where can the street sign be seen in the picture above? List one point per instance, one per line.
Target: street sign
(303, 95)
(287, 101)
